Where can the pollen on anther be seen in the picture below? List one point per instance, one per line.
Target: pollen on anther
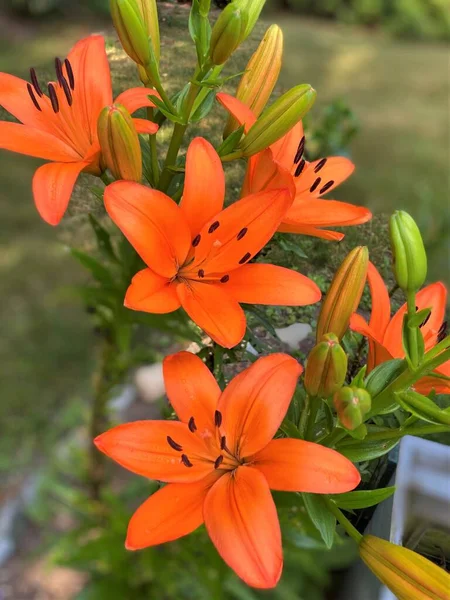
(35, 82)
(326, 187)
(245, 258)
(241, 234)
(315, 185)
(320, 165)
(53, 97)
(223, 443)
(225, 278)
(213, 227)
(185, 460)
(70, 73)
(172, 443)
(217, 418)
(33, 97)
(300, 167)
(192, 426)
(218, 462)
(201, 273)
(442, 331)
(58, 69)
(300, 150)
(65, 87)
(196, 240)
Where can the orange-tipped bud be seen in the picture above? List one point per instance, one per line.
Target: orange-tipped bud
(326, 367)
(407, 574)
(228, 32)
(260, 75)
(344, 293)
(351, 405)
(119, 142)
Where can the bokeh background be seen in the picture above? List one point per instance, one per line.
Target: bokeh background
(381, 69)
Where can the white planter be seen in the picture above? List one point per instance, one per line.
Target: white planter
(420, 503)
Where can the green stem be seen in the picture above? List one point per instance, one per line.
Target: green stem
(412, 331)
(397, 433)
(233, 156)
(303, 425)
(314, 409)
(104, 177)
(352, 531)
(153, 151)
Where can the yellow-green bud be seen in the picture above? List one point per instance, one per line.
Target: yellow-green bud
(149, 14)
(278, 119)
(344, 294)
(130, 26)
(253, 9)
(407, 574)
(119, 142)
(326, 367)
(260, 77)
(227, 34)
(410, 258)
(351, 405)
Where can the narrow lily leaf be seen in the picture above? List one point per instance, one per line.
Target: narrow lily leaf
(422, 407)
(358, 380)
(231, 142)
(363, 451)
(382, 376)
(418, 319)
(322, 518)
(362, 498)
(290, 429)
(205, 107)
(289, 246)
(359, 433)
(162, 107)
(99, 272)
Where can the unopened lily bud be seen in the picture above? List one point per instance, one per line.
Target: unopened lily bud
(228, 32)
(344, 293)
(407, 574)
(149, 14)
(260, 75)
(119, 142)
(326, 367)
(278, 119)
(351, 405)
(410, 258)
(252, 9)
(130, 26)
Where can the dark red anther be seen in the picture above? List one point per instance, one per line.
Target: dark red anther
(58, 69)
(300, 150)
(326, 187)
(217, 418)
(315, 185)
(192, 426)
(223, 444)
(53, 97)
(241, 234)
(425, 321)
(35, 82)
(33, 97)
(70, 74)
(201, 273)
(213, 227)
(67, 92)
(442, 331)
(320, 165)
(173, 444)
(196, 240)
(300, 167)
(245, 258)
(224, 279)
(186, 462)
(218, 462)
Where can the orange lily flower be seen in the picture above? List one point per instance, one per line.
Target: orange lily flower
(385, 333)
(62, 126)
(197, 253)
(283, 164)
(220, 462)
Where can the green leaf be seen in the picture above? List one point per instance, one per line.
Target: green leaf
(162, 107)
(362, 498)
(359, 433)
(367, 450)
(204, 108)
(100, 273)
(322, 518)
(358, 380)
(103, 239)
(288, 428)
(383, 375)
(417, 320)
(289, 246)
(422, 407)
(231, 142)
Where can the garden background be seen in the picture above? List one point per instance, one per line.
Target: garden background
(383, 90)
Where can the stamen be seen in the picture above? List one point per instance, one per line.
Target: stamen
(217, 418)
(442, 331)
(70, 74)
(315, 184)
(173, 444)
(218, 462)
(300, 167)
(425, 321)
(201, 273)
(300, 150)
(223, 444)
(53, 98)
(319, 165)
(245, 258)
(33, 97)
(241, 234)
(35, 82)
(65, 87)
(192, 426)
(196, 240)
(213, 227)
(225, 278)
(58, 69)
(186, 462)
(326, 187)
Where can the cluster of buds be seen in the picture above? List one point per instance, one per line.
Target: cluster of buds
(326, 367)
(352, 404)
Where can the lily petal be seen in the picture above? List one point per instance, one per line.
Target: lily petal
(204, 185)
(378, 353)
(326, 213)
(143, 448)
(440, 386)
(34, 142)
(240, 231)
(285, 149)
(53, 184)
(144, 126)
(268, 284)
(255, 402)
(242, 522)
(315, 181)
(152, 293)
(214, 310)
(381, 304)
(298, 466)
(192, 390)
(170, 513)
(240, 111)
(135, 98)
(153, 224)
(264, 173)
(335, 236)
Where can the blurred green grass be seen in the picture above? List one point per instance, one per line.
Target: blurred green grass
(399, 92)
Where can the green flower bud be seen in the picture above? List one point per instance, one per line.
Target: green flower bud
(410, 258)
(149, 14)
(351, 405)
(227, 34)
(119, 142)
(253, 9)
(326, 367)
(278, 119)
(130, 26)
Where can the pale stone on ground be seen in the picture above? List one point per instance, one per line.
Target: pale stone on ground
(294, 334)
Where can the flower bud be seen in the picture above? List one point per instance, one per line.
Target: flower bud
(119, 142)
(227, 34)
(252, 9)
(260, 75)
(130, 26)
(344, 293)
(278, 119)
(149, 14)
(407, 574)
(351, 405)
(410, 258)
(326, 367)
